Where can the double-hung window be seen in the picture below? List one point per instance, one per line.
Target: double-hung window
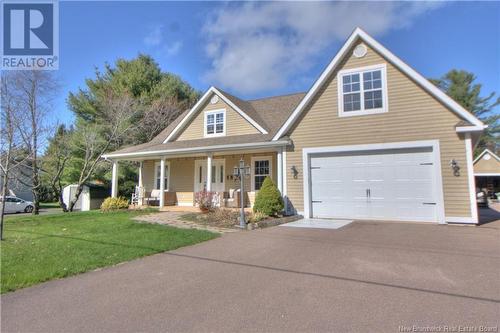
(158, 175)
(215, 123)
(362, 91)
(261, 168)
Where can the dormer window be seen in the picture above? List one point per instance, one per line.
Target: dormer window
(215, 123)
(362, 91)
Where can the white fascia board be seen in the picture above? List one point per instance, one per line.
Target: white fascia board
(422, 81)
(214, 148)
(200, 102)
(466, 129)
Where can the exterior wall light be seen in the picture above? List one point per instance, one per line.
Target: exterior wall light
(456, 168)
(295, 172)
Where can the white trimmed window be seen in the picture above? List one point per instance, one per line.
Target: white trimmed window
(158, 175)
(362, 91)
(215, 123)
(261, 168)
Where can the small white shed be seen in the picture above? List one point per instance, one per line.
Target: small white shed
(91, 197)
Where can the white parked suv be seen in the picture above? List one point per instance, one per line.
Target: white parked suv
(17, 205)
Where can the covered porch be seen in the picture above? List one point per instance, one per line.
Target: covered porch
(184, 175)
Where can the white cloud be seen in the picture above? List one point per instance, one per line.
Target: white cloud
(154, 37)
(173, 48)
(255, 46)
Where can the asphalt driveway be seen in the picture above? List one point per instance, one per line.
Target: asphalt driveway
(370, 277)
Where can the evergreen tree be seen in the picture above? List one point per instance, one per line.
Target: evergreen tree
(460, 85)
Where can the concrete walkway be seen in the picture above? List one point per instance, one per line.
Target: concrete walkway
(364, 277)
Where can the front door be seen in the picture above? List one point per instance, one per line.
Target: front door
(218, 175)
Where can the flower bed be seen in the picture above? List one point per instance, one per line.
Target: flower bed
(229, 218)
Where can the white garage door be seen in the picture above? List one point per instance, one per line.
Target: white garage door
(396, 184)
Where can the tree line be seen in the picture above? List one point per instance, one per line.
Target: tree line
(126, 104)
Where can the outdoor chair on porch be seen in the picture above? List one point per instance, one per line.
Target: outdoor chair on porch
(153, 196)
(232, 199)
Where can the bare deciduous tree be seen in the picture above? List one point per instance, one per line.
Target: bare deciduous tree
(94, 139)
(11, 153)
(34, 93)
(159, 115)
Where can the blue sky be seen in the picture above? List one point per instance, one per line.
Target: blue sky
(262, 49)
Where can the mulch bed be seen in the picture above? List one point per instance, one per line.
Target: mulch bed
(225, 218)
(274, 221)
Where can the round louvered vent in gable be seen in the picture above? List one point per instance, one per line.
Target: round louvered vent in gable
(360, 51)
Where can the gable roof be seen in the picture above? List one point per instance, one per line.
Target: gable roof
(272, 112)
(359, 34)
(484, 152)
(194, 110)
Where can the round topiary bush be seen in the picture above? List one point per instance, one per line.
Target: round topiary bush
(268, 199)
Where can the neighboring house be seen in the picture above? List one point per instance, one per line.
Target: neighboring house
(487, 172)
(372, 139)
(91, 197)
(20, 183)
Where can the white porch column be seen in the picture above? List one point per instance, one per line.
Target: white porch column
(140, 184)
(162, 182)
(141, 165)
(209, 172)
(279, 158)
(114, 180)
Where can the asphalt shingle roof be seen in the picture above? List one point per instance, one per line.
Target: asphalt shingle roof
(271, 113)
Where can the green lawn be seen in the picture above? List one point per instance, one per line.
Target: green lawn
(45, 247)
(49, 205)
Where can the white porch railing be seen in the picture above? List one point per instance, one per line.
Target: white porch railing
(138, 196)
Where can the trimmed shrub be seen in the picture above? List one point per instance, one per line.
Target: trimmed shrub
(268, 199)
(114, 203)
(257, 217)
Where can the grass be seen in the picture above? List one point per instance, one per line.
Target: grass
(49, 205)
(46, 247)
